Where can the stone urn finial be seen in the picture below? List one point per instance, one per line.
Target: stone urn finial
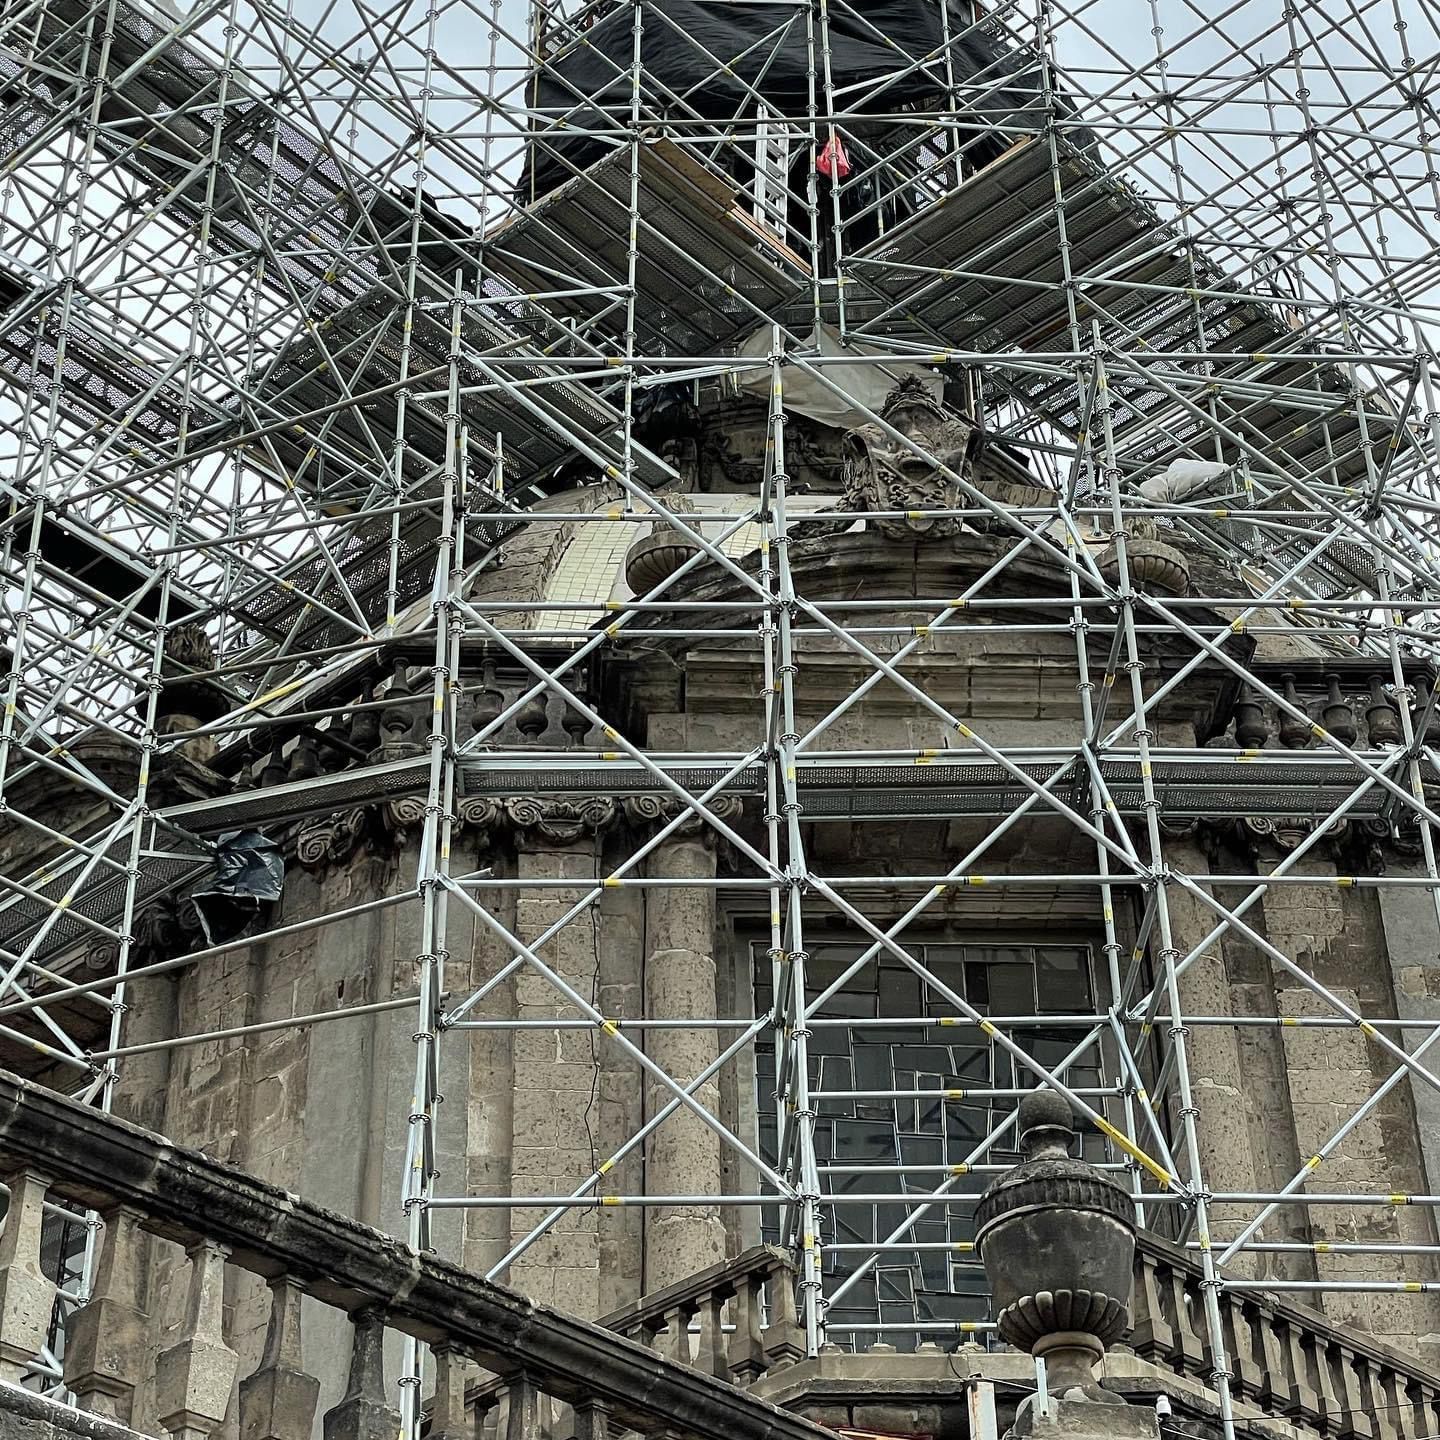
(1057, 1239)
(663, 549)
(187, 700)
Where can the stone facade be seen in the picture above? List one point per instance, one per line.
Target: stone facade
(325, 1108)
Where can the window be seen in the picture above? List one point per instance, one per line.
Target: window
(877, 1054)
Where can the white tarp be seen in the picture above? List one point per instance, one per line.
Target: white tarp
(866, 385)
(1181, 480)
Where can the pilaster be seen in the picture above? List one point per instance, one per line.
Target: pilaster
(556, 1105)
(683, 1154)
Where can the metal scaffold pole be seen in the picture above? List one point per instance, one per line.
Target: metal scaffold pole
(889, 499)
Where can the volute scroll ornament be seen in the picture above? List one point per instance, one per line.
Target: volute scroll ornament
(331, 840)
(405, 814)
(378, 830)
(483, 815)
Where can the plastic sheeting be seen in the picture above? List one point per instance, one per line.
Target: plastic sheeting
(249, 874)
(866, 385)
(589, 85)
(1182, 480)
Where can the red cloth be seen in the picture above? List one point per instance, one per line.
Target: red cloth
(833, 162)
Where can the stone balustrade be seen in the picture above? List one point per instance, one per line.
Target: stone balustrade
(736, 1321)
(676, 1363)
(1286, 1360)
(564, 1377)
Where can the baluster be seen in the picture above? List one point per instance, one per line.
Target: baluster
(1357, 1422)
(522, 1409)
(487, 1413)
(27, 1295)
(1318, 1358)
(710, 1353)
(1151, 1336)
(1277, 1391)
(677, 1334)
(362, 1412)
(105, 1337)
(747, 1348)
(1374, 1402)
(1304, 1401)
(784, 1342)
(1422, 1411)
(1393, 1401)
(278, 1401)
(592, 1420)
(1241, 1317)
(447, 1411)
(1187, 1318)
(194, 1376)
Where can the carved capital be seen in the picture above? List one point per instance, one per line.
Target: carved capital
(333, 840)
(1371, 834)
(403, 815)
(648, 813)
(549, 821)
(1285, 833)
(167, 928)
(1179, 829)
(373, 829)
(103, 957)
(1406, 837)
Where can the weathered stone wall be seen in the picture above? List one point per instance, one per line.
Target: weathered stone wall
(1337, 938)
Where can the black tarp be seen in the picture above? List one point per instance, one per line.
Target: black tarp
(587, 86)
(249, 875)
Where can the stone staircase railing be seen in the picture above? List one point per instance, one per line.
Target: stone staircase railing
(1287, 1360)
(735, 1321)
(671, 1365)
(573, 1378)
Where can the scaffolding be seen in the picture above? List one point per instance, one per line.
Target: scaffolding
(307, 312)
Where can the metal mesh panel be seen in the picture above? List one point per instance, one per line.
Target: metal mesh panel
(324, 793)
(102, 899)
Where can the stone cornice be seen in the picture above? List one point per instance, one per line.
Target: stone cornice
(528, 821)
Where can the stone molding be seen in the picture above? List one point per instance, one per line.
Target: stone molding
(529, 821)
(1359, 843)
(167, 927)
(380, 830)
